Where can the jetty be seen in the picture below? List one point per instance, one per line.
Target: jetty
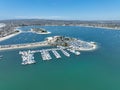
(26, 45)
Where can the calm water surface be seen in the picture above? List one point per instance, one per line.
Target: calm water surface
(92, 70)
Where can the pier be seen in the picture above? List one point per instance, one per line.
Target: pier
(65, 53)
(28, 56)
(45, 55)
(57, 55)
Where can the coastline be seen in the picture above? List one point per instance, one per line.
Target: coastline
(38, 44)
(100, 27)
(11, 35)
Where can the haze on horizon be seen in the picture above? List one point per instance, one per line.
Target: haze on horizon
(60, 9)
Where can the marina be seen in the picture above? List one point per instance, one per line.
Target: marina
(28, 56)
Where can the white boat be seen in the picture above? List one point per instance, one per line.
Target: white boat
(77, 53)
(73, 51)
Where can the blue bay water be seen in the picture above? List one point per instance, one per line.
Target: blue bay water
(92, 70)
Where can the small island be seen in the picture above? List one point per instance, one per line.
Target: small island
(40, 31)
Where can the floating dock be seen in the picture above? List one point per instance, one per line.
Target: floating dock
(45, 55)
(65, 53)
(57, 55)
(28, 56)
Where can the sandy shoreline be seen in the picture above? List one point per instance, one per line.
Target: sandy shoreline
(11, 35)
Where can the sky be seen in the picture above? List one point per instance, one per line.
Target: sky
(60, 9)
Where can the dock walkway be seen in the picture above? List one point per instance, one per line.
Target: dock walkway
(28, 56)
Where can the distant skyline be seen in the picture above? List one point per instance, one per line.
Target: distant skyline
(60, 9)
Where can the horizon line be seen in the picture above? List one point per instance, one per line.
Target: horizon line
(60, 19)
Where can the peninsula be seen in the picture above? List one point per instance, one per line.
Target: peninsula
(9, 35)
(64, 44)
(57, 41)
(8, 31)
